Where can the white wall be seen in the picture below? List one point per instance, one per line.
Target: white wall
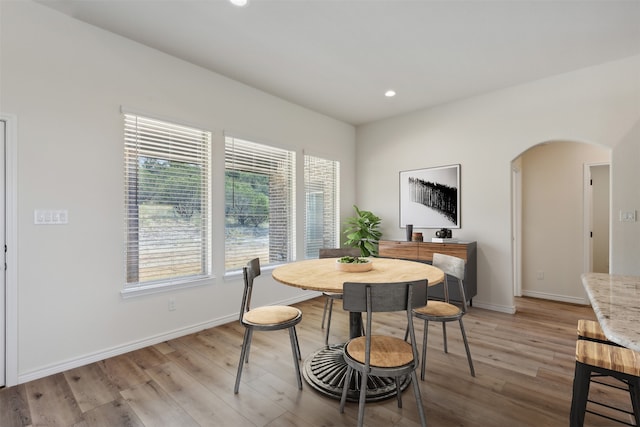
(598, 105)
(66, 81)
(553, 219)
(625, 196)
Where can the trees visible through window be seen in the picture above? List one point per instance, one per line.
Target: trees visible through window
(321, 184)
(167, 194)
(259, 203)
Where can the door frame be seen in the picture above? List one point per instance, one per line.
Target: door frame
(11, 255)
(588, 217)
(516, 227)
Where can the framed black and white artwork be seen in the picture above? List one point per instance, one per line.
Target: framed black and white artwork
(430, 197)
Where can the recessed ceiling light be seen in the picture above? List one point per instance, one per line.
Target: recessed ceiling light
(239, 3)
(390, 93)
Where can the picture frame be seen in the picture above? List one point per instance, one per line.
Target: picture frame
(430, 197)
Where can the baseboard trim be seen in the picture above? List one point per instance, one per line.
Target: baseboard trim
(136, 345)
(555, 297)
(494, 307)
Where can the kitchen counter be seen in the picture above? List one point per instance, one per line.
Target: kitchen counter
(616, 301)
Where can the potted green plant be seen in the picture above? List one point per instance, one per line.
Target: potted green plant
(362, 232)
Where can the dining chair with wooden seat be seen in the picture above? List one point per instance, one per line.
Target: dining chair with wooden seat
(382, 355)
(330, 296)
(445, 311)
(265, 318)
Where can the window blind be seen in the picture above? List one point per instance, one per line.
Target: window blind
(167, 196)
(321, 187)
(259, 203)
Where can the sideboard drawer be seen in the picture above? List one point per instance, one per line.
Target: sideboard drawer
(426, 250)
(397, 249)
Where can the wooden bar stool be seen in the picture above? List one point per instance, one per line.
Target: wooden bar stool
(603, 359)
(591, 330)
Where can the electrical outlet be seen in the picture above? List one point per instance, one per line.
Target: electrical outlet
(540, 275)
(172, 304)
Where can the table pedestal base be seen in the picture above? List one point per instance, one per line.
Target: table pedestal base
(325, 371)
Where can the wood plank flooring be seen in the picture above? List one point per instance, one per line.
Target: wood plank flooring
(524, 372)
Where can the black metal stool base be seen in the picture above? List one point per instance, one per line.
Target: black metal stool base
(325, 371)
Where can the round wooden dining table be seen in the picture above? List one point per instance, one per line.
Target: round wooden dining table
(324, 370)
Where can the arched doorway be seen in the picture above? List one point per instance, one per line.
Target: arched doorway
(548, 218)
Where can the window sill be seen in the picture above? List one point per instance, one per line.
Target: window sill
(163, 287)
(237, 274)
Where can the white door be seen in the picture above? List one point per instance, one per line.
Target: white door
(600, 218)
(3, 287)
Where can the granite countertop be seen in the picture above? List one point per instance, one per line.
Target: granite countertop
(616, 301)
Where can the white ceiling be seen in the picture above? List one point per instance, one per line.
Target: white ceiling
(338, 57)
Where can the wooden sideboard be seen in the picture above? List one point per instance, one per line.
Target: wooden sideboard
(423, 251)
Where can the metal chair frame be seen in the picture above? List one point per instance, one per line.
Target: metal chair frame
(585, 374)
(383, 297)
(330, 296)
(452, 266)
(250, 272)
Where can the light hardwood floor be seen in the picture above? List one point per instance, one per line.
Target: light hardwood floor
(524, 366)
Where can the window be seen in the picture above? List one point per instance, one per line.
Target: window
(259, 203)
(321, 184)
(167, 194)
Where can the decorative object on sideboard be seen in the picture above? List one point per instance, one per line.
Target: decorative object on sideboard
(416, 237)
(444, 235)
(430, 197)
(409, 232)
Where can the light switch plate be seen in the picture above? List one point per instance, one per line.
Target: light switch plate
(628, 216)
(50, 216)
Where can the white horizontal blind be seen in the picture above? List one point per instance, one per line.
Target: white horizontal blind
(259, 203)
(321, 188)
(167, 195)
